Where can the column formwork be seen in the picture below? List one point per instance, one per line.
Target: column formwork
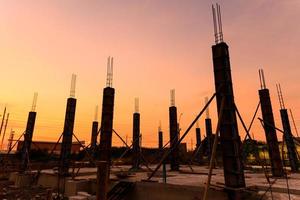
(270, 132)
(107, 124)
(208, 129)
(94, 135)
(160, 139)
(27, 140)
(136, 141)
(198, 137)
(289, 141)
(229, 136)
(174, 157)
(66, 146)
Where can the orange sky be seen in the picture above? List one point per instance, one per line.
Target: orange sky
(157, 46)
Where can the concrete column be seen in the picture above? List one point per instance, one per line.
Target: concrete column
(289, 141)
(102, 180)
(27, 140)
(160, 140)
(270, 132)
(136, 141)
(199, 156)
(174, 157)
(229, 135)
(94, 135)
(208, 128)
(66, 145)
(107, 124)
(198, 137)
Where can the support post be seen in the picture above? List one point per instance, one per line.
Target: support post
(102, 180)
(198, 144)
(208, 128)
(288, 137)
(270, 132)
(229, 135)
(27, 140)
(136, 141)
(65, 153)
(94, 135)
(107, 124)
(174, 157)
(160, 139)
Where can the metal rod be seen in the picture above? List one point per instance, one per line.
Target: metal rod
(214, 150)
(294, 122)
(3, 117)
(215, 23)
(15, 143)
(5, 126)
(87, 153)
(242, 121)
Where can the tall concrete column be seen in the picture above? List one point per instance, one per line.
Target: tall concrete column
(270, 132)
(102, 180)
(94, 135)
(160, 139)
(107, 124)
(136, 141)
(199, 154)
(198, 137)
(28, 139)
(65, 153)
(174, 157)
(289, 141)
(229, 135)
(107, 117)
(208, 129)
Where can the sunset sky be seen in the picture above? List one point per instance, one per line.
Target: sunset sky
(157, 45)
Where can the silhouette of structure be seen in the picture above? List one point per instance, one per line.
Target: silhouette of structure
(208, 129)
(197, 151)
(107, 115)
(136, 136)
(28, 135)
(160, 137)
(94, 130)
(4, 132)
(10, 140)
(174, 157)
(229, 135)
(103, 166)
(269, 128)
(288, 136)
(2, 122)
(292, 116)
(67, 134)
(198, 137)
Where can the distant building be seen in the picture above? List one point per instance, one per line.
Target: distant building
(49, 146)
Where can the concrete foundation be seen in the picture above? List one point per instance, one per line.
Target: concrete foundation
(22, 179)
(160, 191)
(184, 184)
